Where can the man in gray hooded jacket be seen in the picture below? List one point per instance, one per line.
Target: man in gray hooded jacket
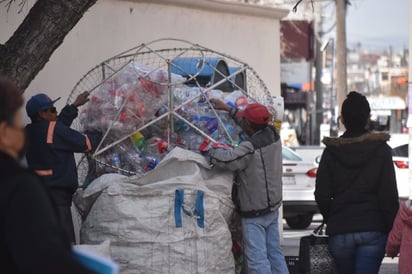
(257, 163)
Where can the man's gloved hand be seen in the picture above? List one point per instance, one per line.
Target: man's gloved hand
(81, 99)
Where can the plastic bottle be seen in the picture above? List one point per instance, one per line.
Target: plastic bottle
(122, 94)
(241, 102)
(133, 159)
(151, 162)
(215, 93)
(116, 161)
(193, 140)
(211, 125)
(205, 146)
(231, 97)
(138, 140)
(176, 141)
(163, 146)
(230, 128)
(229, 125)
(152, 146)
(199, 121)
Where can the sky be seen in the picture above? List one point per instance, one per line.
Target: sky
(378, 23)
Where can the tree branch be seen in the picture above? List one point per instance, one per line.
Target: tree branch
(8, 4)
(295, 7)
(43, 30)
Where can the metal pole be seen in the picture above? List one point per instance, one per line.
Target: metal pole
(341, 73)
(334, 123)
(171, 127)
(318, 90)
(318, 74)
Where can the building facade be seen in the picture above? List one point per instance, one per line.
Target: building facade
(248, 32)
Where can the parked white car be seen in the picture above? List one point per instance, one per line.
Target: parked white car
(299, 177)
(400, 157)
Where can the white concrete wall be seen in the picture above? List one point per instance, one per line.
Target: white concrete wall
(249, 33)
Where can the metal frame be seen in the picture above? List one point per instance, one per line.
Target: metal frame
(255, 90)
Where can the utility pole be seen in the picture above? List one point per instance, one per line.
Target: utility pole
(318, 74)
(341, 73)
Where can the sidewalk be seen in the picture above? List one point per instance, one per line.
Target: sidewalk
(290, 247)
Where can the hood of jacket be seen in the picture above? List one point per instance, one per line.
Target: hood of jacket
(353, 152)
(405, 212)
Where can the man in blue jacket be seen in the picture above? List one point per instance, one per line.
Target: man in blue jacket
(52, 144)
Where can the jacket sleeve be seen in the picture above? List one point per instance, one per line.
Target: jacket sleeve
(95, 137)
(323, 191)
(395, 236)
(388, 192)
(33, 233)
(62, 137)
(68, 114)
(232, 158)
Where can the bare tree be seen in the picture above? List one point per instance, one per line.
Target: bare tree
(42, 31)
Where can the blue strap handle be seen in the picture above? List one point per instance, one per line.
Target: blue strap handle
(179, 199)
(199, 209)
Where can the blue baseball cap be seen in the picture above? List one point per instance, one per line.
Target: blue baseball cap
(39, 102)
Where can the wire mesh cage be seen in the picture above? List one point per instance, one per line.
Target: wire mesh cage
(156, 96)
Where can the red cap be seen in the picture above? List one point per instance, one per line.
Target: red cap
(255, 113)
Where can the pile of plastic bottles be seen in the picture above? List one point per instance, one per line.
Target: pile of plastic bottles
(136, 95)
(127, 99)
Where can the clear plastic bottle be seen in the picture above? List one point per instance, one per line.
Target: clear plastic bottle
(233, 96)
(231, 128)
(116, 161)
(176, 141)
(241, 102)
(157, 147)
(133, 159)
(193, 140)
(152, 145)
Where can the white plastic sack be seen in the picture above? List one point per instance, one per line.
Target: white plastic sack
(141, 218)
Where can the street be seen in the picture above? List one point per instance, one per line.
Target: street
(290, 245)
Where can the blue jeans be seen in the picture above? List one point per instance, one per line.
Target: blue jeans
(262, 245)
(360, 252)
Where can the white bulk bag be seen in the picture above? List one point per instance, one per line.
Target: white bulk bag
(172, 220)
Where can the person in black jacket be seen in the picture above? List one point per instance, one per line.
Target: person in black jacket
(31, 239)
(356, 191)
(52, 144)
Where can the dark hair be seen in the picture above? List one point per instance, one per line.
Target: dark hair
(355, 111)
(11, 100)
